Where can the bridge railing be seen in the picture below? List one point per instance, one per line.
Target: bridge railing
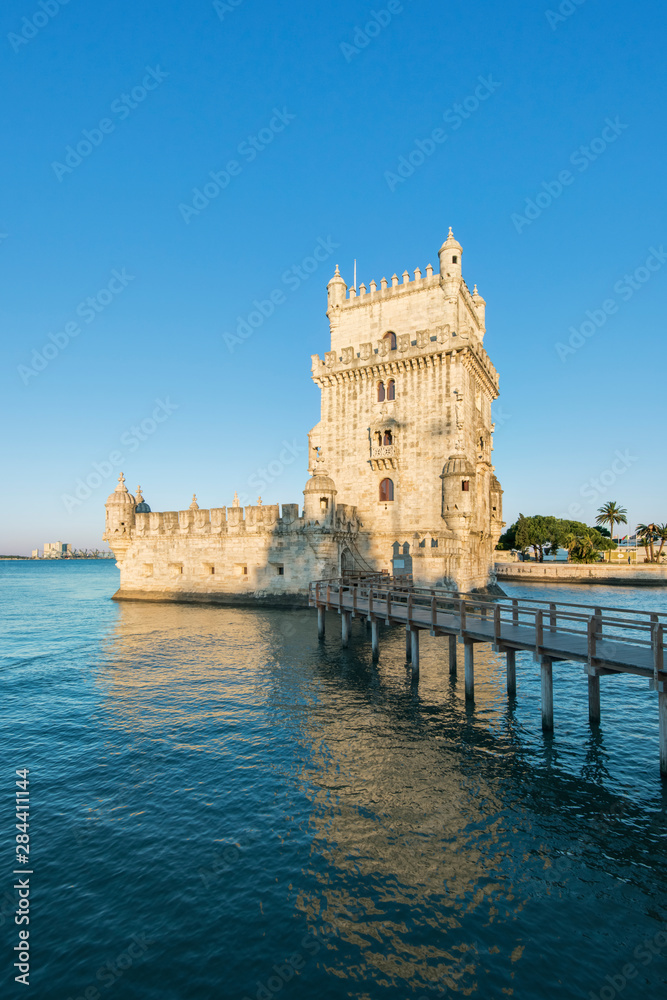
(387, 597)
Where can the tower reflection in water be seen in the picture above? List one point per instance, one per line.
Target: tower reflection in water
(409, 826)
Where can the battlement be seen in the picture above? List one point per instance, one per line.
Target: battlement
(357, 297)
(251, 520)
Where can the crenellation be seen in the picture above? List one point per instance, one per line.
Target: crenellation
(400, 468)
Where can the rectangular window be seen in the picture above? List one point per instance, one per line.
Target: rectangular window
(281, 571)
(465, 485)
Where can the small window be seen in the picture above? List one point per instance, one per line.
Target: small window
(391, 337)
(211, 570)
(391, 389)
(379, 437)
(455, 260)
(388, 438)
(465, 485)
(324, 503)
(380, 392)
(281, 570)
(386, 490)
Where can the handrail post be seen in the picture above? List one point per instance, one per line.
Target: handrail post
(658, 652)
(434, 611)
(539, 630)
(388, 604)
(515, 611)
(598, 615)
(496, 623)
(462, 617)
(328, 596)
(370, 600)
(591, 638)
(552, 617)
(409, 615)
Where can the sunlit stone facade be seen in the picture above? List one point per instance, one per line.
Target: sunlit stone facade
(400, 462)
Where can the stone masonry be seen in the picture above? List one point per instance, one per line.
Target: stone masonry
(406, 437)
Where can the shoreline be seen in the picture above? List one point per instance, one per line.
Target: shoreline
(646, 575)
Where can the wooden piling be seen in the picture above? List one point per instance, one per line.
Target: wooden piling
(469, 666)
(346, 621)
(662, 711)
(510, 658)
(408, 644)
(414, 642)
(452, 654)
(547, 693)
(375, 637)
(594, 699)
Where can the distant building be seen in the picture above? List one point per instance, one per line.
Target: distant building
(56, 550)
(35, 553)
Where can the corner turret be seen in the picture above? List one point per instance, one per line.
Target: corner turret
(319, 496)
(120, 519)
(450, 259)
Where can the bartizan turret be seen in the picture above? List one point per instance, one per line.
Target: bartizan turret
(458, 492)
(336, 295)
(120, 518)
(319, 497)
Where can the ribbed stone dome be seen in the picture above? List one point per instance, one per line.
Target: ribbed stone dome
(120, 495)
(320, 483)
(457, 465)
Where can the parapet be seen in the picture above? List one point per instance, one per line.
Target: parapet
(230, 521)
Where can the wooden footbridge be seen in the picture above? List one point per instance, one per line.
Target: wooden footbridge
(608, 641)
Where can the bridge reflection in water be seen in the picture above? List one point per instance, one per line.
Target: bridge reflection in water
(609, 641)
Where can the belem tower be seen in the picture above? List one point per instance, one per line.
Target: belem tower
(401, 478)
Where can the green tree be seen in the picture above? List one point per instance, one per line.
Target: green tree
(610, 513)
(649, 534)
(661, 536)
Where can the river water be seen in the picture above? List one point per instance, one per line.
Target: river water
(222, 807)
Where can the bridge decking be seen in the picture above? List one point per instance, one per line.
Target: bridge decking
(606, 640)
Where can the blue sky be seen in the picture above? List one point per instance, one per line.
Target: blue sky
(314, 113)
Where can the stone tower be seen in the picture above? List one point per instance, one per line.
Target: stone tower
(406, 429)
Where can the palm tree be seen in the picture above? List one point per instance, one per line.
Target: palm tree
(610, 513)
(661, 536)
(648, 532)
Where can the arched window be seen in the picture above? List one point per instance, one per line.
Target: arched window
(391, 337)
(386, 490)
(380, 392)
(391, 389)
(465, 485)
(379, 437)
(387, 438)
